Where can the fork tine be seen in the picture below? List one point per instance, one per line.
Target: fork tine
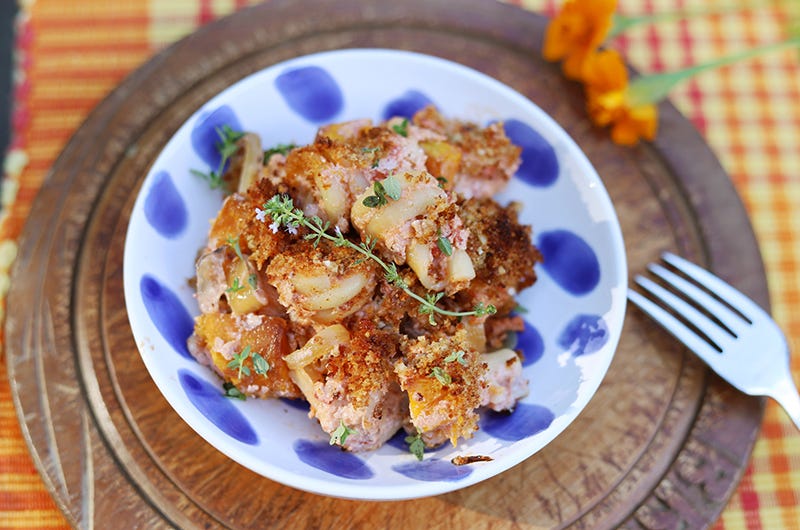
(712, 330)
(728, 318)
(677, 328)
(720, 287)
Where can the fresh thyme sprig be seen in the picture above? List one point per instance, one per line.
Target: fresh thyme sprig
(283, 212)
(238, 362)
(226, 148)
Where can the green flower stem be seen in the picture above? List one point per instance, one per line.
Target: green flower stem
(622, 23)
(655, 87)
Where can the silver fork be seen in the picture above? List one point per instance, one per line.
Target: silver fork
(751, 351)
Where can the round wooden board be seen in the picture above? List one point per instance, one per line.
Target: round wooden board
(661, 445)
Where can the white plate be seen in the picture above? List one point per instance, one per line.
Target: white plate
(575, 310)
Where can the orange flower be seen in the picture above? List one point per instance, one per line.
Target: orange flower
(608, 100)
(576, 32)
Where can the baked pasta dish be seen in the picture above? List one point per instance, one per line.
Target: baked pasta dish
(370, 273)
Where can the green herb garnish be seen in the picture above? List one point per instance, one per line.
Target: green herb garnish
(388, 187)
(260, 364)
(226, 148)
(457, 356)
(232, 392)
(238, 362)
(282, 149)
(392, 188)
(340, 434)
(441, 376)
(444, 245)
(401, 128)
(233, 242)
(235, 286)
(282, 212)
(416, 445)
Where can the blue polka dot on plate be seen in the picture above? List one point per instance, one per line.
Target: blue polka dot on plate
(298, 404)
(432, 469)
(209, 400)
(205, 133)
(164, 208)
(569, 261)
(526, 420)
(332, 459)
(398, 441)
(539, 165)
(311, 92)
(411, 102)
(530, 342)
(584, 334)
(167, 313)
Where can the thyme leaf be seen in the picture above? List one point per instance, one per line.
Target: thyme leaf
(341, 433)
(416, 445)
(441, 376)
(232, 392)
(401, 128)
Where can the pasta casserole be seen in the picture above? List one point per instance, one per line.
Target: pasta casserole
(370, 273)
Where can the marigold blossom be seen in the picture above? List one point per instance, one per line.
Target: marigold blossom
(576, 32)
(609, 104)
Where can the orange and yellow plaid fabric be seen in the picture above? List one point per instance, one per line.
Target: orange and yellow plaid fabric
(749, 113)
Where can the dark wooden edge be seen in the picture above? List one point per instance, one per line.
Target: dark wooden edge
(727, 231)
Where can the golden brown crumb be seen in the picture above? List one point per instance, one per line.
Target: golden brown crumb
(502, 253)
(443, 393)
(364, 365)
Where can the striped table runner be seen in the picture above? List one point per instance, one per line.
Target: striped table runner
(72, 53)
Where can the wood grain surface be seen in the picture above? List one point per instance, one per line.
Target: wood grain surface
(661, 445)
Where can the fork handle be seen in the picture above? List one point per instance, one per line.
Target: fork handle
(785, 393)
